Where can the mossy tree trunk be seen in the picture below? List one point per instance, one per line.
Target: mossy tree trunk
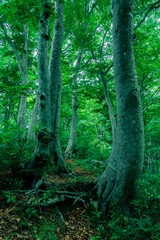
(56, 82)
(117, 183)
(36, 166)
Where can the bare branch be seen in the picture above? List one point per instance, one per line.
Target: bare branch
(150, 103)
(153, 6)
(104, 37)
(108, 69)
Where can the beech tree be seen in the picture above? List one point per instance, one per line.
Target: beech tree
(38, 161)
(56, 82)
(48, 146)
(117, 183)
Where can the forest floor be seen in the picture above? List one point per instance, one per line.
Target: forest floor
(17, 221)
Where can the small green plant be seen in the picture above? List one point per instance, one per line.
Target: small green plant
(11, 197)
(47, 195)
(97, 222)
(31, 212)
(47, 231)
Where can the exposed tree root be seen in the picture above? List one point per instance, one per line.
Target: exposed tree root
(61, 192)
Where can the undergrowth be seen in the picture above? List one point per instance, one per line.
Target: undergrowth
(145, 226)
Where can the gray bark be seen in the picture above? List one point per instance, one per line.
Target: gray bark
(40, 156)
(58, 156)
(110, 108)
(43, 74)
(21, 119)
(55, 82)
(33, 121)
(72, 138)
(117, 183)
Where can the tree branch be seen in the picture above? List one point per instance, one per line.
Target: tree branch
(13, 46)
(147, 105)
(104, 37)
(108, 69)
(150, 8)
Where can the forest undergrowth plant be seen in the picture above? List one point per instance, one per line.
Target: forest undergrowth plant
(97, 223)
(14, 148)
(10, 197)
(145, 225)
(90, 164)
(148, 200)
(132, 228)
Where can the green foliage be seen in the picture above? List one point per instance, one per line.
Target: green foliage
(14, 148)
(91, 165)
(11, 197)
(47, 231)
(30, 212)
(147, 208)
(132, 228)
(148, 199)
(96, 221)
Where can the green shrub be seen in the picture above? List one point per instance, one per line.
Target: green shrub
(14, 148)
(147, 207)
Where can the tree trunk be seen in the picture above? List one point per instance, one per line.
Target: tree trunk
(72, 138)
(33, 121)
(55, 81)
(110, 108)
(117, 183)
(21, 119)
(40, 156)
(58, 156)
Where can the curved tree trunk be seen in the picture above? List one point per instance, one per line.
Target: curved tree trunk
(72, 138)
(117, 183)
(55, 83)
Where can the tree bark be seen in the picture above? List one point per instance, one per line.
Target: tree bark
(117, 183)
(58, 156)
(40, 157)
(72, 138)
(110, 108)
(21, 119)
(33, 121)
(55, 82)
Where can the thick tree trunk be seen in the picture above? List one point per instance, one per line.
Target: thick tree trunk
(55, 81)
(33, 121)
(72, 138)
(40, 156)
(117, 183)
